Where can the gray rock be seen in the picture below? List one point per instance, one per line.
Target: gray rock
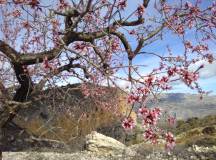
(103, 145)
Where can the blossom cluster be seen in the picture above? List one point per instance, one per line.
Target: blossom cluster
(149, 116)
(150, 119)
(128, 123)
(170, 141)
(151, 135)
(122, 4)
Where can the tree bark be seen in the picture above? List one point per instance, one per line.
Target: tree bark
(23, 92)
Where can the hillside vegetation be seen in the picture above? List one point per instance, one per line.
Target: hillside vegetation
(197, 131)
(201, 131)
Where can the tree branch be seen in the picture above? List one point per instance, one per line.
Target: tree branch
(70, 65)
(145, 3)
(30, 58)
(71, 36)
(8, 51)
(141, 41)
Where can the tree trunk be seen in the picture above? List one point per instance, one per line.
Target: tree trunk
(22, 94)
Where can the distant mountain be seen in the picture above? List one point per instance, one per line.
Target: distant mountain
(187, 105)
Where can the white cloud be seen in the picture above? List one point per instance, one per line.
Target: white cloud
(208, 71)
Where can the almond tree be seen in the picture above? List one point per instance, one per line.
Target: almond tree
(44, 43)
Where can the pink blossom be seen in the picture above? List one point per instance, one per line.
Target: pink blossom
(209, 57)
(80, 46)
(62, 4)
(115, 45)
(164, 79)
(55, 22)
(140, 10)
(189, 77)
(144, 111)
(188, 45)
(16, 13)
(150, 117)
(163, 82)
(34, 3)
(166, 8)
(132, 32)
(46, 64)
(149, 134)
(157, 111)
(188, 5)
(122, 4)
(133, 98)
(172, 71)
(170, 141)
(200, 48)
(149, 80)
(191, 24)
(143, 91)
(171, 120)
(128, 123)
(26, 25)
(180, 29)
(195, 11)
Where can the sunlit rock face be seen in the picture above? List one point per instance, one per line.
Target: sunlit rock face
(66, 113)
(100, 144)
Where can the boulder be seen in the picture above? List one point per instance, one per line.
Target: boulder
(64, 113)
(102, 145)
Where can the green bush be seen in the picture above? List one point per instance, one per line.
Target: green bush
(183, 126)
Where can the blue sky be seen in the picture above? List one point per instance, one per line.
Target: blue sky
(208, 74)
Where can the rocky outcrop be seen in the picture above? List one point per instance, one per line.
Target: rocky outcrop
(66, 114)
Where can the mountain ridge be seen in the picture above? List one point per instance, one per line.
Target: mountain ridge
(184, 105)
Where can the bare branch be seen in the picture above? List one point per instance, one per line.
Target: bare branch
(72, 12)
(30, 58)
(8, 51)
(125, 43)
(151, 35)
(145, 3)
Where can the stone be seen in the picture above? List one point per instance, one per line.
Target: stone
(100, 144)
